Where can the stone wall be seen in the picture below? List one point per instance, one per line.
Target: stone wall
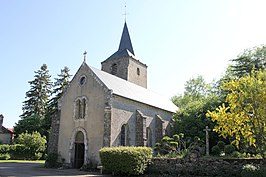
(200, 167)
(53, 137)
(140, 129)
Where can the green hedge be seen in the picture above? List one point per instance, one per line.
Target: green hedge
(4, 156)
(125, 160)
(19, 152)
(4, 148)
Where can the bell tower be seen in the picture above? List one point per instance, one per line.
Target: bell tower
(124, 64)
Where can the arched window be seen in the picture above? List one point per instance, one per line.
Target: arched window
(80, 108)
(83, 108)
(77, 109)
(123, 137)
(149, 137)
(114, 69)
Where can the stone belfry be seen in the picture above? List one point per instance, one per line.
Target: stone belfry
(124, 64)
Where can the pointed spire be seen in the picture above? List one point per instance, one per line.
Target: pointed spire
(125, 42)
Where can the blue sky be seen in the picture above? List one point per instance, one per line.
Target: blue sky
(177, 39)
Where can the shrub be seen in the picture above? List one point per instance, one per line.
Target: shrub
(250, 170)
(34, 145)
(125, 160)
(4, 148)
(216, 150)
(229, 149)
(221, 145)
(18, 151)
(236, 154)
(4, 156)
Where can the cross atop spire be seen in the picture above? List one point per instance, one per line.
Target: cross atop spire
(85, 53)
(125, 41)
(125, 12)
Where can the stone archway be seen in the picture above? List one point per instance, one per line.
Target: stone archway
(78, 151)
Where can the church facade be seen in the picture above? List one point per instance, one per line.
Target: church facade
(109, 107)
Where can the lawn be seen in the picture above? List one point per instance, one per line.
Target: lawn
(27, 161)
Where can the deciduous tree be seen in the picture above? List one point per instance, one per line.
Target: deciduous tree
(245, 116)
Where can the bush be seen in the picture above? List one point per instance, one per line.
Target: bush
(34, 145)
(221, 145)
(125, 160)
(4, 156)
(216, 150)
(250, 170)
(229, 149)
(18, 151)
(236, 154)
(4, 148)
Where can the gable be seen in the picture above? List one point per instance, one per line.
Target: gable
(85, 76)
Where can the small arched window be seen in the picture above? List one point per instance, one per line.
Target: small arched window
(114, 69)
(138, 71)
(80, 108)
(83, 107)
(123, 137)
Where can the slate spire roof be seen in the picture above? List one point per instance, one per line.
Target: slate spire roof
(125, 42)
(125, 47)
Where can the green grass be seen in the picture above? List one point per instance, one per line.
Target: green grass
(21, 161)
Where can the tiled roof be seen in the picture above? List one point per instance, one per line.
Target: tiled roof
(7, 130)
(132, 91)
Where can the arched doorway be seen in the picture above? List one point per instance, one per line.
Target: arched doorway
(79, 150)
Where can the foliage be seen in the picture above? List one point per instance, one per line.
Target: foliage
(244, 118)
(35, 105)
(30, 124)
(216, 150)
(171, 146)
(4, 148)
(221, 145)
(125, 160)
(51, 160)
(38, 95)
(4, 156)
(19, 151)
(198, 98)
(229, 149)
(248, 60)
(59, 86)
(250, 170)
(34, 145)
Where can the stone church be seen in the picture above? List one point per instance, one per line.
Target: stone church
(109, 107)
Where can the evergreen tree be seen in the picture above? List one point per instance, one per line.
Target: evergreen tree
(60, 84)
(35, 106)
(254, 58)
